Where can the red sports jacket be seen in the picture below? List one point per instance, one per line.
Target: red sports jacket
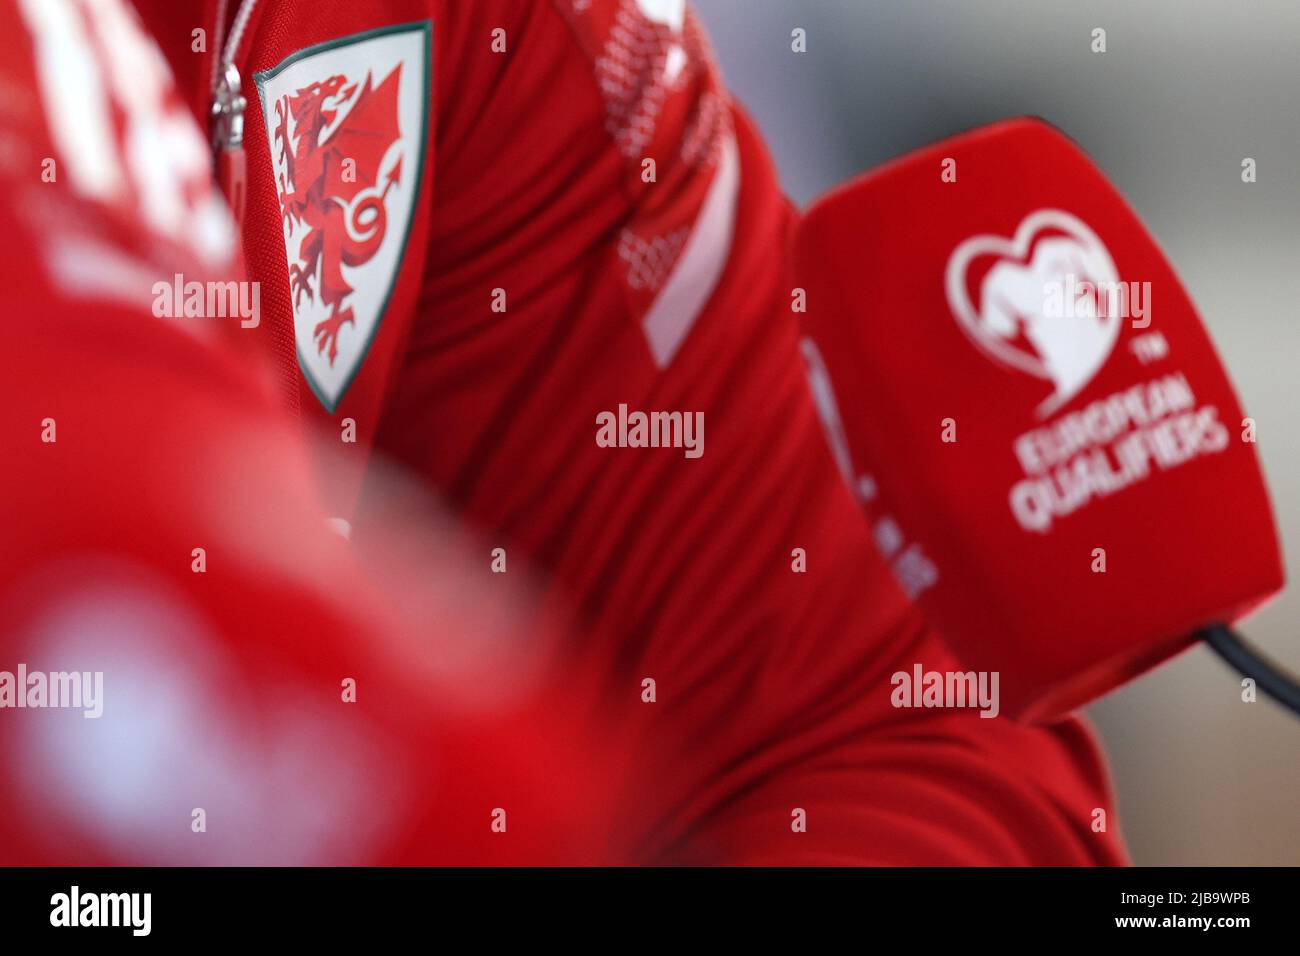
(488, 233)
(194, 668)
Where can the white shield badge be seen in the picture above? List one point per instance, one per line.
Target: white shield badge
(347, 124)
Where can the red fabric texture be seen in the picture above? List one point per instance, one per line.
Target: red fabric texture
(773, 687)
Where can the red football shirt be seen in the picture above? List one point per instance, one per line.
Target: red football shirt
(194, 668)
(484, 229)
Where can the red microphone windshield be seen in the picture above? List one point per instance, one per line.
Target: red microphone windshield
(1020, 391)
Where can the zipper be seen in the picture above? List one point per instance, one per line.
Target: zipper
(226, 117)
(228, 108)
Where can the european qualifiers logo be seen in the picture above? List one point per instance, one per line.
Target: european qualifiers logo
(1047, 302)
(346, 122)
(1109, 445)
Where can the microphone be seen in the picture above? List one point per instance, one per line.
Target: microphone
(1022, 396)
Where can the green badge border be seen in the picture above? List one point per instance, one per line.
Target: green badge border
(425, 27)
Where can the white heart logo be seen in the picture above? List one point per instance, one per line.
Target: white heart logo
(1063, 299)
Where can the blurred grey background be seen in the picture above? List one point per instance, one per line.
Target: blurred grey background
(1184, 92)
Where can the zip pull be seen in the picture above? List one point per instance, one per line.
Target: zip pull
(228, 106)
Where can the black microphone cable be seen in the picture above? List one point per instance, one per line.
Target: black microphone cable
(1269, 677)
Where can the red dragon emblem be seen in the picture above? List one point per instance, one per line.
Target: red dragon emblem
(331, 186)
